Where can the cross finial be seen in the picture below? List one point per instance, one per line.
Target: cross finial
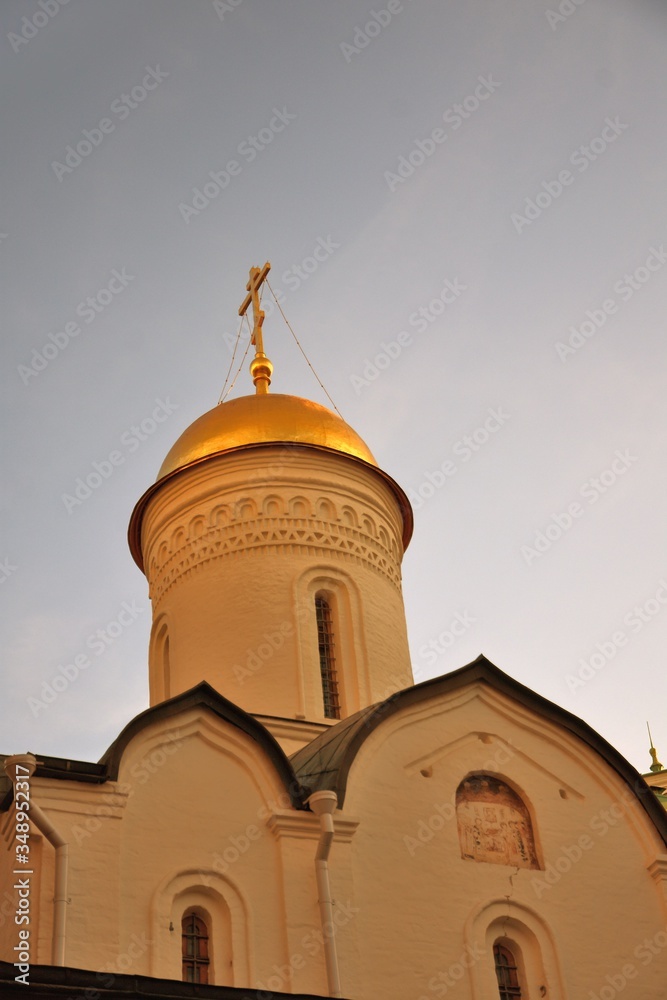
(261, 368)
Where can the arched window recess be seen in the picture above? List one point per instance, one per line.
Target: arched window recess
(327, 656)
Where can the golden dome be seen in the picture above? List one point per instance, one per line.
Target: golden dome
(263, 419)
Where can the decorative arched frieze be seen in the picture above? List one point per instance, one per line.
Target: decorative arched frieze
(325, 510)
(273, 506)
(197, 527)
(240, 529)
(349, 516)
(245, 509)
(219, 516)
(299, 507)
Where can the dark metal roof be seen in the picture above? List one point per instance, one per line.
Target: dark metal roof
(52, 767)
(49, 982)
(326, 762)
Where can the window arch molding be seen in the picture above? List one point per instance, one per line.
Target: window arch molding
(159, 659)
(527, 935)
(220, 903)
(342, 594)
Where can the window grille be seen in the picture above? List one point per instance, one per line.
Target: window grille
(194, 934)
(507, 973)
(325, 642)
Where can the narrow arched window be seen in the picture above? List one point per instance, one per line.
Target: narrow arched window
(166, 670)
(325, 642)
(507, 972)
(195, 949)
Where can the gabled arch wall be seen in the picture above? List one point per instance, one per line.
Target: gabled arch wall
(196, 832)
(416, 759)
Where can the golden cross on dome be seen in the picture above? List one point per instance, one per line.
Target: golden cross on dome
(261, 368)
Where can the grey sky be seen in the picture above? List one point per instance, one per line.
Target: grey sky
(404, 141)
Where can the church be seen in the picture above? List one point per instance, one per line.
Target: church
(292, 815)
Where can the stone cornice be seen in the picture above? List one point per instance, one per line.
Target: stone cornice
(305, 826)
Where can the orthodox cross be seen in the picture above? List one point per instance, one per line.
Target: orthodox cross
(261, 368)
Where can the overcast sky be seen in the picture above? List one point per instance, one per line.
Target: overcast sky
(464, 209)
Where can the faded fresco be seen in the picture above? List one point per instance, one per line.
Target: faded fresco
(493, 823)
